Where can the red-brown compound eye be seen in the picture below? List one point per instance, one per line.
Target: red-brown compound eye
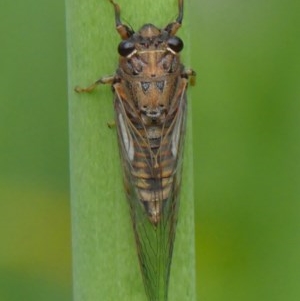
(125, 48)
(175, 44)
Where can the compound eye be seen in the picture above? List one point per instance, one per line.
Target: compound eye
(125, 48)
(175, 44)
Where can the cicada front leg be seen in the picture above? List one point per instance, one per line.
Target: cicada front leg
(191, 75)
(90, 88)
(103, 80)
(111, 124)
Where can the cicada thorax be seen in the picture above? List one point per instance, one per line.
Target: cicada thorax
(150, 109)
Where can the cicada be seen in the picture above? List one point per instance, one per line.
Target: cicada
(150, 105)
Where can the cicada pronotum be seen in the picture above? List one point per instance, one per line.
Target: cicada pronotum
(150, 114)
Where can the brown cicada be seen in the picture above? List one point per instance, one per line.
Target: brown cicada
(150, 113)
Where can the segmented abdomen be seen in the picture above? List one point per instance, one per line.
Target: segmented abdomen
(153, 167)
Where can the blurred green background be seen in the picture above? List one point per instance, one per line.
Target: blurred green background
(246, 112)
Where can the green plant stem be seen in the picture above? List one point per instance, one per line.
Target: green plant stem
(105, 264)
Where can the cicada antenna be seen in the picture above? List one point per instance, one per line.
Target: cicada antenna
(180, 12)
(174, 26)
(124, 31)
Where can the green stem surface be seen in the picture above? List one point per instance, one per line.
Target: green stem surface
(105, 264)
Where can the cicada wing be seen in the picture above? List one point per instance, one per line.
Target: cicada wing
(154, 240)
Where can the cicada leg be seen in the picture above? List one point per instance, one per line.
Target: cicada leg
(102, 80)
(111, 124)
(191, 74)
(90, 88)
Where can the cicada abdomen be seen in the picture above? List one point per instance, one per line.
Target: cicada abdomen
(150, 113)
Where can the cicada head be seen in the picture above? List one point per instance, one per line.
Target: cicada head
(150, 64)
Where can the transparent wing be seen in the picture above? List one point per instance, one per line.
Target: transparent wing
(152, 176)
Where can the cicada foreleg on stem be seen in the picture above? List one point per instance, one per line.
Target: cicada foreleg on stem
(103, 80)
(106, 80)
